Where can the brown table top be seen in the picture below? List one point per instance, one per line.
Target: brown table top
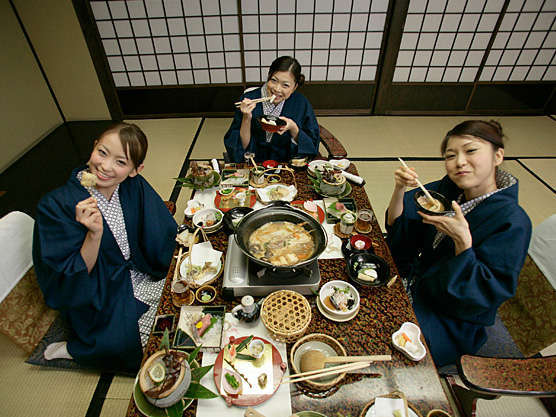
(382, 312)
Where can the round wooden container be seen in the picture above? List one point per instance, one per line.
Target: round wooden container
(286, 314)
(330, 341)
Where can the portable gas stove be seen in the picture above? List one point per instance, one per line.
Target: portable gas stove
(244, 277)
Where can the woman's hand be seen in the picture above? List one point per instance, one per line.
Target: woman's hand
(247, 106)
(290, 126)
(405, 177)
(88, 214)
(456, 227)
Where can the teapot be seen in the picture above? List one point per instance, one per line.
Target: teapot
(248, 310)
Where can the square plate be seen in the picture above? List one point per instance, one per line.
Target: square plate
(331, 215)
(163, 322)
(235, 177)
(189, 315)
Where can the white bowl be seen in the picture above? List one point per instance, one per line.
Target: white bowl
(328, 289)
(192, 204)
(414, 333)
(200, 216)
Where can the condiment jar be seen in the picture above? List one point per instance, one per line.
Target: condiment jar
(347, 223)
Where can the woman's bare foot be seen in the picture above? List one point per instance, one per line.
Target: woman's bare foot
(57, 350)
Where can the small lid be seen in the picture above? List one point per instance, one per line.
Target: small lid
(248, 303)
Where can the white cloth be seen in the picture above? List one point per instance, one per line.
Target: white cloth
(279, 405)
(543, 248)
(333, 249)
(16, 245)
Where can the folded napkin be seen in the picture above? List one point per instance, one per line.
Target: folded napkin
(202, 253)
(385, 407)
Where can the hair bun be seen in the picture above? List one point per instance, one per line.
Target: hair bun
(301, 80)
(496, 125)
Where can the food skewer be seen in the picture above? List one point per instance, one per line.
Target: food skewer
(319, 373)
(429, 196)
(239, 373)
(258, 100)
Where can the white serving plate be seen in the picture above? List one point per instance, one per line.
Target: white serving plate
(414, 333)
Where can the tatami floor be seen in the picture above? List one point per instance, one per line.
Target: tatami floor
(373, 143)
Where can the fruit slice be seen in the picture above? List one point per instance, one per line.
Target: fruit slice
(157, 373)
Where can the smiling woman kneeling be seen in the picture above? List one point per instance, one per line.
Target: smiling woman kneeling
(102, 244)
(460, 267)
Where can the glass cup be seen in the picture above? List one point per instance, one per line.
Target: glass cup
(364, 221)
(347, 222)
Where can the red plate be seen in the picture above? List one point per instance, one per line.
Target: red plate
(299, 204)
(218, 198)
(271, 163)
(248, 400)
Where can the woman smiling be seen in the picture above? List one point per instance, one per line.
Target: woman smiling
(460, 268)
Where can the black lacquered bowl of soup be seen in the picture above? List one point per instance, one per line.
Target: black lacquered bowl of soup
(441, 207)
(281, 237)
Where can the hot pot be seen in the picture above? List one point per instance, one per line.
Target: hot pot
(276, 212)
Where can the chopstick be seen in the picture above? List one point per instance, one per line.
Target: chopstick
(430, 197)
(177, 264)
(305, 376)
(258, 100)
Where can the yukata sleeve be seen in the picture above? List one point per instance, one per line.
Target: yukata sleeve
(479, 279)
(61, 271)
(159, 231)
(309, 134)
(232, 140)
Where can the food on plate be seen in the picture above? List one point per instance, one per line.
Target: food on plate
(435, 205)
(226, 190)
(210, 219)
(359, 245)
(262, 380)
(278, 193)
(185, 238)
(366, 271)
(333, 176)
(232, 382)
(341, 299)
(196, 272)
(200, 169)
(298, 162)
(235, 177)
(403, 340)
(157, 373)
(281, 243)
(201, 326)
(268, 122)
(88, 179)
(311, 208)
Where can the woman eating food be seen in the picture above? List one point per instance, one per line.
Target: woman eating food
(460, 267)
(299, 136)
(102, 244)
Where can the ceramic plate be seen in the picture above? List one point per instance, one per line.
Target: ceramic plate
(334, 317)
(146, 407)
(205, 278)
(317, 164)
(249, 200)
(272, 364)
(211, 339)
(299, 204)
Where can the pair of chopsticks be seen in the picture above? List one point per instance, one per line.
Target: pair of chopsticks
(258, 100)
(319, 373)
(429, 196)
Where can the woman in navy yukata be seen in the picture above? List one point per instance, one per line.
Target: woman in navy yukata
(300, 136)
(101, 253)
(461, 268)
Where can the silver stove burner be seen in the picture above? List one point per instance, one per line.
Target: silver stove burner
(243, 277)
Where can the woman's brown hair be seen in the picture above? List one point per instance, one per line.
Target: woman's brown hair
(490, 131)
(287, 63)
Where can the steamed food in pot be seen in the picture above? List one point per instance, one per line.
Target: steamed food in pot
(434, 205)
(281, 243)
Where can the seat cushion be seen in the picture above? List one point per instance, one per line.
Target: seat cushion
(24, 316)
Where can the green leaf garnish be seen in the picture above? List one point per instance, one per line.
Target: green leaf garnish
(175, 410)
(197, 391)
(193, 355)
(165, 342)
(234, 383)
(245, 357)
(198, 373)
(245, 342)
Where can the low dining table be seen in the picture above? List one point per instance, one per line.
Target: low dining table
(382, 311)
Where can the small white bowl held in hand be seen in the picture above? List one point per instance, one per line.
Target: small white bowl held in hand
(328, 289)
(414, 333)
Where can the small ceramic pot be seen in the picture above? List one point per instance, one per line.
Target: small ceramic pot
(347, 223)
(257, 175)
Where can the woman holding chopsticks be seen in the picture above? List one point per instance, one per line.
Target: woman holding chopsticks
(462, 266)
(298, 137)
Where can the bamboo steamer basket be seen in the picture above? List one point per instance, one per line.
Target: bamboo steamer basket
(286, 315)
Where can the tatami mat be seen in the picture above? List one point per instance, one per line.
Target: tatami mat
(121, 387)
(28, 390)
(114, 407)
(543, 168)
(169, 142)
(535, 198)
(388, 136)
(210, 143)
